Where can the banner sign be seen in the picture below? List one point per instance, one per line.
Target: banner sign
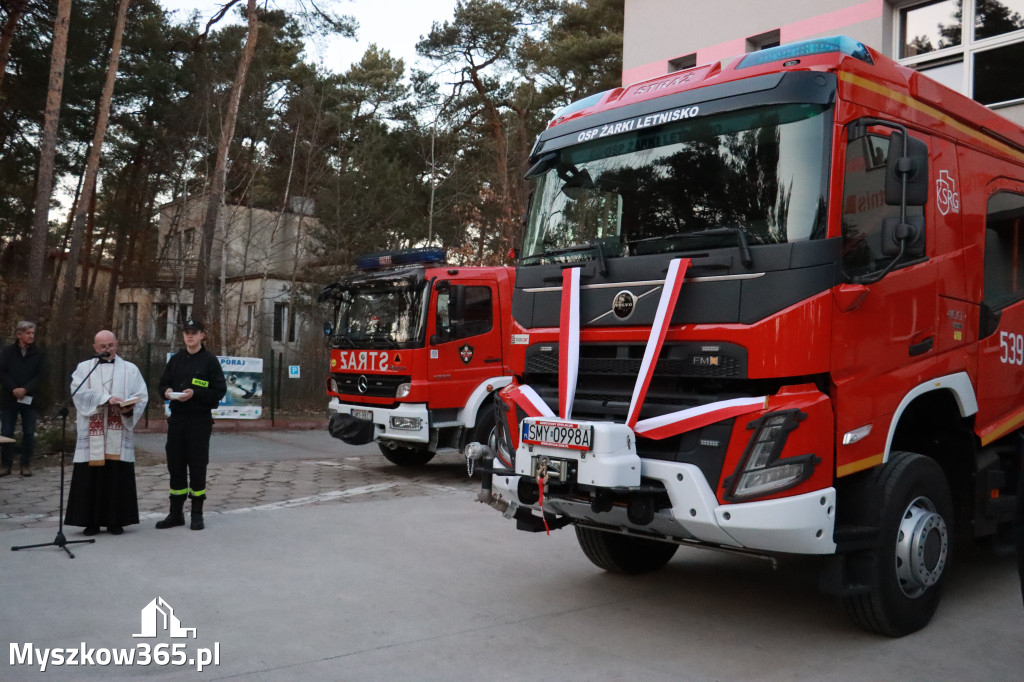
(243, 400)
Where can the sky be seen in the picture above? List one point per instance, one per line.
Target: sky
(395, 25)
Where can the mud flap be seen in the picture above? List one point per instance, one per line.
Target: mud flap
(351, 430)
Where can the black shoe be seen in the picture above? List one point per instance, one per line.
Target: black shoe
(91, 530)
(5, 470)
(197, 523)
(115, 530)
(171, 520)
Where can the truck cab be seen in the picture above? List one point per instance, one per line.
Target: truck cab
(417, 351)
(772, 305)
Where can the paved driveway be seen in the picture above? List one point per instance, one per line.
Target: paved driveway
(325, 563)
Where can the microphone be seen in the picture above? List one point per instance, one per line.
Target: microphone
(104, 354)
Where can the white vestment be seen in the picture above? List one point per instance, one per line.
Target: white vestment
(103, 432)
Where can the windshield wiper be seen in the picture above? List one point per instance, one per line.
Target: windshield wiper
(739, 232)
(577, 248)
(384, 336)
(341, 337)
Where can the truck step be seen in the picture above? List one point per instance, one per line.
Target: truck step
(851, 538)
(445, 425)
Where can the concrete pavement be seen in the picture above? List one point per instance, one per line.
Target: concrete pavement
(336, 565)
(248, 469)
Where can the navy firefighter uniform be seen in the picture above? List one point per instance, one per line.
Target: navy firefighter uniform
(190, 425)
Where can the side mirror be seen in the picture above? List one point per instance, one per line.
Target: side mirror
(910, 232)
(913, 166)
(328, 328)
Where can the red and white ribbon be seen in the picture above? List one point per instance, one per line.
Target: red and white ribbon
(656, 428)
(668, 425)
(528, 401)
(569, 341)
(662, 319)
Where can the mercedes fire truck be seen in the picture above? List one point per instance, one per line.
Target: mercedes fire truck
(772, 305)
(418, 350)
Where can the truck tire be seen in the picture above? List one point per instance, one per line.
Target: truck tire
(406, 455)
(907, 568)
(625, 554)
(486, 429)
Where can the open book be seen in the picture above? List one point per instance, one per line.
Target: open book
(129, 401)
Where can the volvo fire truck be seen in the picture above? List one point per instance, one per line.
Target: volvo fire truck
(418, 351)
(772, 305)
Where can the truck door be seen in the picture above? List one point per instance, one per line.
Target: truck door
(465, 340)
(879, 343)
(1001, 328)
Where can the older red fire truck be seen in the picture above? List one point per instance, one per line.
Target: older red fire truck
(772, 305)
(418, 350)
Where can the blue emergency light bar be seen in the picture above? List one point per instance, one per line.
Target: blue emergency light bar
(806, 48)
(431, 255)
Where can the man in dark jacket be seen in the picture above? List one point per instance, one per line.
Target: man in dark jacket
(21, 373)
(194, 383)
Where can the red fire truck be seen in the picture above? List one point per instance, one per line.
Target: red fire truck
(772, 305)
(418, 350)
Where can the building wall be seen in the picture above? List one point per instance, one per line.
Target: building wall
(660, 35)
(256, 256)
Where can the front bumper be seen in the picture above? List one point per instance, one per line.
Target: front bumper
(386, 420)
(801, 524)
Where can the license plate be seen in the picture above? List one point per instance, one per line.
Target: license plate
(363, 414)
(559, 434)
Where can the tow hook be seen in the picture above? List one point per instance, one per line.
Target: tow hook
(479, 452)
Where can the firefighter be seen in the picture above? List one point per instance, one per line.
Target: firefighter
(194, 383)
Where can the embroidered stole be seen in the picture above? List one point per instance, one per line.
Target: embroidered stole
(106, 430)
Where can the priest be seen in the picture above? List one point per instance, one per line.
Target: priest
(109, 404)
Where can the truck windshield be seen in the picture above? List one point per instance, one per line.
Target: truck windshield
(755, 176)
(385, 315)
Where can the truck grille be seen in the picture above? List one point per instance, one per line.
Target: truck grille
(690, 359)
(377, 385)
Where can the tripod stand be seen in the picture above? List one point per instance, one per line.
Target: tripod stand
(60, 540)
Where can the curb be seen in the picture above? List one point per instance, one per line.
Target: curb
(237, 425)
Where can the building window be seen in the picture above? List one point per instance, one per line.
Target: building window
(764, 41)
(682, 63)
(250, 320)
(162, 322)
(184, 312)
(284, 322)
(973, 46)
(128, 316)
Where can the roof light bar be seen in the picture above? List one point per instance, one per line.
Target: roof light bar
(430, 255)
(806, 48)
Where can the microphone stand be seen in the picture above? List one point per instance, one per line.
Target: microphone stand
(60, 540)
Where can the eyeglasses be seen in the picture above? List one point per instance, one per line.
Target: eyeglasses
(105, 346)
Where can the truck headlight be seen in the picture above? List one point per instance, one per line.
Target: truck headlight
(406, 423)
(332, 385)
(761, 471)
(403, 390)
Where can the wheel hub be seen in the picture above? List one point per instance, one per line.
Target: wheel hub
(922, 547)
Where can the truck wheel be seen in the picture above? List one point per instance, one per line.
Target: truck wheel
(623, 553)
(486, 429)
(406, 455)
(907, 568)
